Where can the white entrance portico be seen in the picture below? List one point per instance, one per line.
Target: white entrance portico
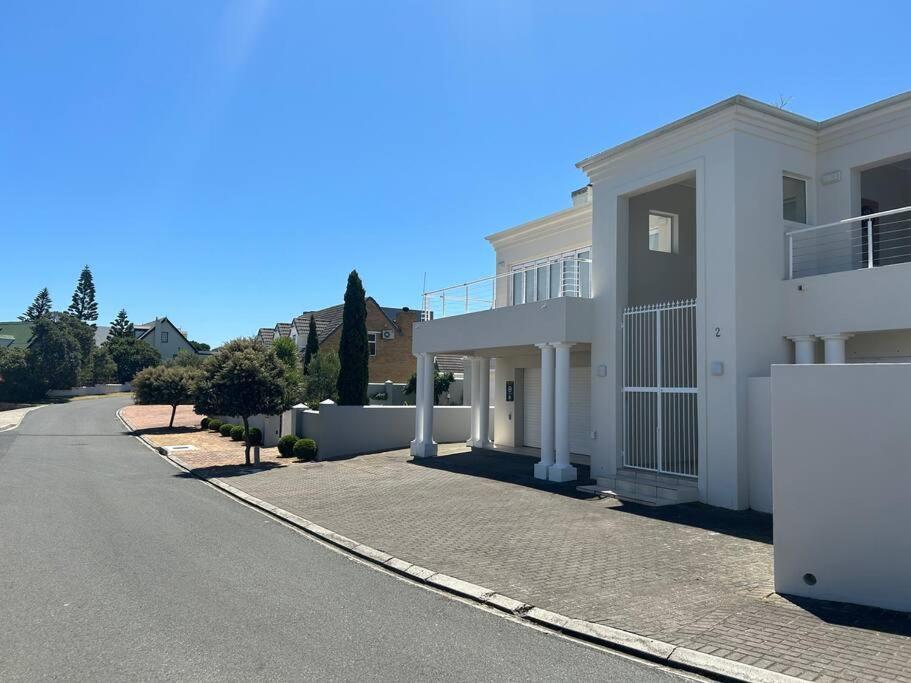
(552, 338)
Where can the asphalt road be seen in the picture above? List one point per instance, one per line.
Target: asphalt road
(116, 565)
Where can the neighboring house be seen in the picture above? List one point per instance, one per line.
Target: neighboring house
(282, 330)
(265, 335)
(388, 337)
(15, 334)
(164, 336)
(626, 328)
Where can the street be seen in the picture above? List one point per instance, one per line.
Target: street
(116, 565)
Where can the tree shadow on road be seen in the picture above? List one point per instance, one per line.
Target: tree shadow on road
(224, 471)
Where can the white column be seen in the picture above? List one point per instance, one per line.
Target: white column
(428, 446)
(804, 349)
(418, 393)
(835, 347)
(475, 401)
(466, 382)
(547, 411)
(484, 402)
(561, 470)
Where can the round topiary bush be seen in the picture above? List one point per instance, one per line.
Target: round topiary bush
(237, 433)
(225, 429)
(256, 437)
(286, 445)
(305, 449)
(214, 425)
(204, 423)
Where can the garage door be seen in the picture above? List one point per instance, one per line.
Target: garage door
(580, 382)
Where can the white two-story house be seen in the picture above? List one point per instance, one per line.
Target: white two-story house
(625, 328)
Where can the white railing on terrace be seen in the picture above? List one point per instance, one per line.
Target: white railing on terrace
(877, 239)
(545, 279)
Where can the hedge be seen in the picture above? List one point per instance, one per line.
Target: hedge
(215, 425)
(286, 445)
(225, 429)
(256, 437)
(237, 433)
(204, 423)
(305, 449)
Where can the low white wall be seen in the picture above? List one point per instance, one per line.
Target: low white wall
(351, 430)
(269, 425)
(841, 467)
(96, 390)
(759, 442)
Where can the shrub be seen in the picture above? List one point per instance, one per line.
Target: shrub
(204, 423)
(225, 429)
(305, 449)
(237, 433)
(214, 425)
(256, 437)
(286, 445)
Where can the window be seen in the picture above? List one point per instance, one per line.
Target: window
(164, 337)
(371, 342)
(662, 232)
(794, 199)
(566, 274)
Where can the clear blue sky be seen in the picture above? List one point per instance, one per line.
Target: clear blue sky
(228, 163)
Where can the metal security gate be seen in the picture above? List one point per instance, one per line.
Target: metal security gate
(659, 388)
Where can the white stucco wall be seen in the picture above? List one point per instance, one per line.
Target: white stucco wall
(759, 442)
(841, 466)
(351, 430)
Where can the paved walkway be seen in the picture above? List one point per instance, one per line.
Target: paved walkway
(690, 575)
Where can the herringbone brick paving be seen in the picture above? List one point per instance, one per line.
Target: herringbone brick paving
(689, 575)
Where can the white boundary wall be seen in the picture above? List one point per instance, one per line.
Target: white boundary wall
(759, 442)
(269, 425)
(351, 430)
(841, 457)
(96, 390)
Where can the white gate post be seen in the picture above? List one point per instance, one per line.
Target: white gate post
(428, 446)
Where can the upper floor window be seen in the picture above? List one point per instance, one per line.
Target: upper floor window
(794, 199)
(662, 232)
(371, 342)
(566, 274)
(164, 337)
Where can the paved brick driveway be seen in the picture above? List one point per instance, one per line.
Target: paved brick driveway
(689, 575)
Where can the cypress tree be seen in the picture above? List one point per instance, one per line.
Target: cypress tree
(353, 352)
(121, 326)
(312, 344)
(84, 306)
(39, 308)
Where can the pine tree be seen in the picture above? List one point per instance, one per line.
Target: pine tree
(353, 352)
(84, 306)
(312, 344)
(121, 326)
(39, 308)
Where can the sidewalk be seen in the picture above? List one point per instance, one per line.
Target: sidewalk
(10, 419)
(690, 575)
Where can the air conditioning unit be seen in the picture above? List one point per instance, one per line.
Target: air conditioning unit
(388, 334)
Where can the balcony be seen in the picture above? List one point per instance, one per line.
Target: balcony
(870, 241)
(550, 278)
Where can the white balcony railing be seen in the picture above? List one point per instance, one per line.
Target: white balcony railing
(544, 279)
(877, 239)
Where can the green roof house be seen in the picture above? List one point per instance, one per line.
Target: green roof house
(15, 334)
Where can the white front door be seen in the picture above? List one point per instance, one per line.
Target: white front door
(580, 382)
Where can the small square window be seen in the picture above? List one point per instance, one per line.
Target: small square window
(662, 232)
(371, 342)
(794, 199)
(164, 337)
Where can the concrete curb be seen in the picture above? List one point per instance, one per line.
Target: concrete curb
(616, 639)
(9, 426)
